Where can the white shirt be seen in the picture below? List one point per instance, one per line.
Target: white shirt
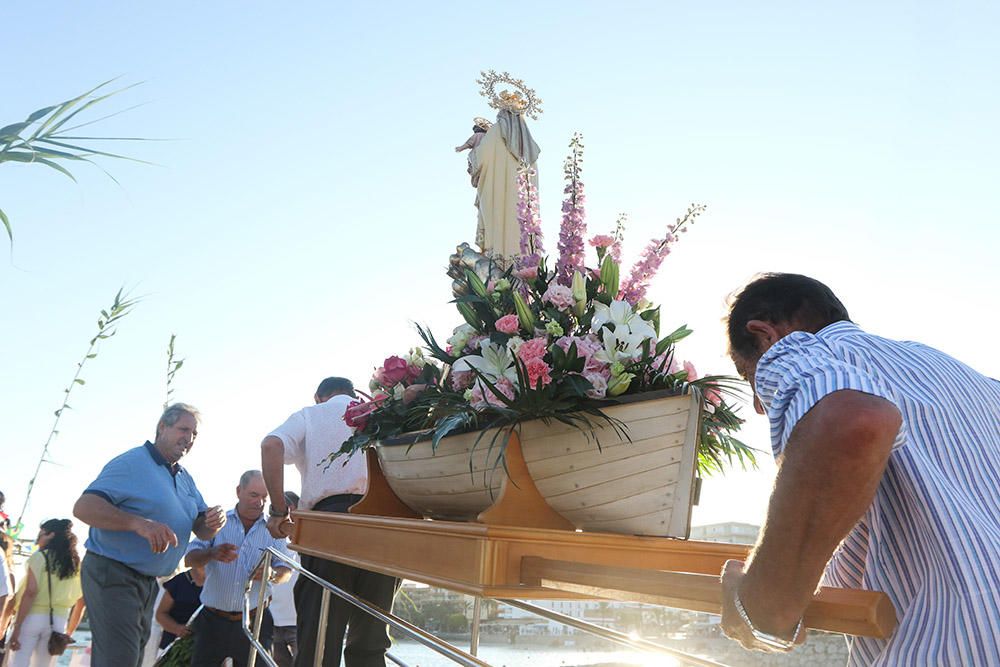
(283, 600)
(309, 436)
(4, 577)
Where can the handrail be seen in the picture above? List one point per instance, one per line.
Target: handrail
(450, 651)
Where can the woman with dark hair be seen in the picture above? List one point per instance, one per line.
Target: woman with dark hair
(51, 594)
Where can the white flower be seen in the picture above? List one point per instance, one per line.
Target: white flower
(514, 344)
(620, 314)
(460, 336)
(416, 357)
(496, 362)
(620, 346)
(397, 392)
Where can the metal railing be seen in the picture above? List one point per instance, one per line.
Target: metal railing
(442, 647)
(455, 654)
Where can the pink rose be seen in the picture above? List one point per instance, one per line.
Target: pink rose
(379, 377)
(692, 373)
(413, 372)
(602, 241)
(534, 348)
(508, 324)
(394, 371)
(538, 372)
(559, 296)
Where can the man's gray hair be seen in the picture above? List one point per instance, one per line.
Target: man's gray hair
(174, 412)
(249, 475)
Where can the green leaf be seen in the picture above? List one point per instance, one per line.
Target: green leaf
(13, 130)
(41, 112)
(58, 167)
(79, 381)
(6, 225)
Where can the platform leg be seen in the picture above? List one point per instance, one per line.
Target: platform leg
(520, 503)
(380, 499)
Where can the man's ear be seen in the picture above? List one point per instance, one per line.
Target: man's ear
(764, 333)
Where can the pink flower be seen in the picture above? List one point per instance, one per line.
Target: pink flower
(508, 324)
(474, 341)
(672, 367)
(599, 382)
(559, 296)
(483, 396)
(692, 373)
(357, 413)
(713, 396)
(378, 377)
(538, 372)
(586, 347)
(602, 241)
(528, 273)
(413, 372)
(461, 380)
(534, 348)
(394, 371)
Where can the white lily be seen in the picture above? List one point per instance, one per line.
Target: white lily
(496, 362)
(620, 346)
(621, 314)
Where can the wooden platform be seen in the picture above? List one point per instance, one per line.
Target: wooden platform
(542, 564)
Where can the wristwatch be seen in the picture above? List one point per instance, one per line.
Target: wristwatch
(765, 638)
(275, 513)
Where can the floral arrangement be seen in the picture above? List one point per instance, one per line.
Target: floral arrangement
(552, 344)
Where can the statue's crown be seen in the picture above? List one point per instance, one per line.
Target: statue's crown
(521, 100)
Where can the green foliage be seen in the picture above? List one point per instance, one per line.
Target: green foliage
(47, 137)
(107, 327)
(172, 367)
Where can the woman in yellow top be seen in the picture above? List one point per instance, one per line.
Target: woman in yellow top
(52, 582)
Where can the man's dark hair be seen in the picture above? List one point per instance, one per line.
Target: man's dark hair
(335, 385)
(781, 298)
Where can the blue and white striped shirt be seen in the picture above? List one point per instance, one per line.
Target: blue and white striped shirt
(931, 538)
(225, 582)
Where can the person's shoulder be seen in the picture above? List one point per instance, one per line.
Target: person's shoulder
(131, 456)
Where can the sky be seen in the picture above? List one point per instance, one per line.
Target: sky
(305, 194)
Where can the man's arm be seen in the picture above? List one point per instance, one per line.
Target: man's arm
(208, 524)
(200, 556)
(832, 465)
(97, 512)
(272, 467)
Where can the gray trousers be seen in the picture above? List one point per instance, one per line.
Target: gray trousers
(120, 608)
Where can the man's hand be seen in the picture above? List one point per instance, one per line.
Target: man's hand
(215, 518)
(279, 526)
(225, 553)
(159, 536)
(732, 623)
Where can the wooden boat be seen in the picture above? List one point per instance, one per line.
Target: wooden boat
(640, 485)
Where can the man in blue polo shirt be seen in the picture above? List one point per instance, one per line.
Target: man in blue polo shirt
(141, 509)
(230, 560)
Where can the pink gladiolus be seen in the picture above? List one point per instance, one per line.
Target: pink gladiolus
(633, 289)
(538, 372)
(713, 396)
(559, 296)
(394, 371)
(508, 324)
(692, 373)
(528, 221)
(534, 348)
(527, 273)
(574, 223)
(602, 241)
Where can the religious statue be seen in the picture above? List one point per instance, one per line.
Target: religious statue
(479, 128)
(496, 158)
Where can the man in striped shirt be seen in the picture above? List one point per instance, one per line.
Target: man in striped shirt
(230, 560)
(888, 480)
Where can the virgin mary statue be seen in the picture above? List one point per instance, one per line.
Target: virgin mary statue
(505, 150)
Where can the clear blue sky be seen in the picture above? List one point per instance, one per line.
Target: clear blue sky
(301, 214)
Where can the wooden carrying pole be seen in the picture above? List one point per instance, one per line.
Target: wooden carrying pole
(853, 612)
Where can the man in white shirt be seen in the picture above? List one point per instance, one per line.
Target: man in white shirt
(306, 439)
